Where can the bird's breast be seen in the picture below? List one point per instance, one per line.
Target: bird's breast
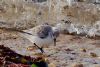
(41, 42)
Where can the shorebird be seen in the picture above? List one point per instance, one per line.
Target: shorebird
(41, 35)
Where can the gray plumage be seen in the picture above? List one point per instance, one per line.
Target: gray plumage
(44, 31)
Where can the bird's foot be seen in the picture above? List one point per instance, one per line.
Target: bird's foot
(41, 49)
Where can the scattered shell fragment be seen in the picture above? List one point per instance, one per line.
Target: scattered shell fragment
(30, 48)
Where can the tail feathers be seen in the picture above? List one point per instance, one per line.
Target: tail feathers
(13, 29)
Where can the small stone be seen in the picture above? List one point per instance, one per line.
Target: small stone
(77, 65)
(74, 53)
(68, 49)
(71, 58)
(39, 13)
(93, 54)
(83, 50)
(65, 7)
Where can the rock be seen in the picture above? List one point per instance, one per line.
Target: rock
(83, 50)
(93, 54)
(68, 49)
(77, 65)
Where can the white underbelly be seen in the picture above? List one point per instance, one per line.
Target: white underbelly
(38, 41)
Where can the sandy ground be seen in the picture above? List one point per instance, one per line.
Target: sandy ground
(70, 51)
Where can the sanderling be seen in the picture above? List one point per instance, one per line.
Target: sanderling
(41, 35)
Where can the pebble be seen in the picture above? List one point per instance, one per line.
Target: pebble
(83, 50)
(93, 54)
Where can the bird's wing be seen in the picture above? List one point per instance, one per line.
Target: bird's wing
(40, 31)
(34, 30)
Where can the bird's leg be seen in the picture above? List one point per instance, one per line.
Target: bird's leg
(41, 48)
(54, 41)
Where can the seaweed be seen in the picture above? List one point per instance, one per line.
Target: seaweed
(10, 57)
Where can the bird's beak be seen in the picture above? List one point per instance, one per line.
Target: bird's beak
(54, 41)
